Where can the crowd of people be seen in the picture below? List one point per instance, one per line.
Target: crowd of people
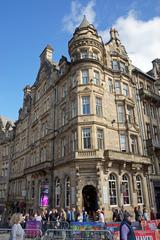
(61, 215)
(55, 217)
(140, 214)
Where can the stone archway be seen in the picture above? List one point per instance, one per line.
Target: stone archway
(90, 199)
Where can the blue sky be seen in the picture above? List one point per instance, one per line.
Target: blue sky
(27, 26)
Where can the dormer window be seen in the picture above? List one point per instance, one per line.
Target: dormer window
(115, 65)
(122, 67)
(84, 54)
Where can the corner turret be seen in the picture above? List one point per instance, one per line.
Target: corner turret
(85, 43)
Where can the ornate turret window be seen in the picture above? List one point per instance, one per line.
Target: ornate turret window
(84, 53)
(85, 76)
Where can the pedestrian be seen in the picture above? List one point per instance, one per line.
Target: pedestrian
(152, 214)
(85, 215)
(145, 214)
(126, 230)
(73, 215)
(136, 214)
(100, 216)
(17, 232)
(139, 214)
(121, 213)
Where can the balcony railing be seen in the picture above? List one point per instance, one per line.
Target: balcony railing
(88, 154)
(125, 157)
(149, 95)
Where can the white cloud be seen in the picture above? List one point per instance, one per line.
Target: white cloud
(140, 38)
(73, 20)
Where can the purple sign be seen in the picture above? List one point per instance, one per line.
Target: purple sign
(33, 228)
(44, 195)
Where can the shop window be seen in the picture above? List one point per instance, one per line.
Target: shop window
(125, 190)
(112, 189)
(139, 190)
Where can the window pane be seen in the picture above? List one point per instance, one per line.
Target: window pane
(86, 138)
(85, 105)
(115, 65)
(121, 114)
(96, 78)
(123, 142)
(134, 144)
(110, 85)
(100, 138)
(117, 87)
(99, 106)
(84, 54)
(125, 89)
(112, 190)
(139, 190)
(85, 77)
(125, 190)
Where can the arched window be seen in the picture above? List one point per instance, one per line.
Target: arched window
(112, 189)
(67, 192)
(57, 192)
(139, 190)
(125, 190)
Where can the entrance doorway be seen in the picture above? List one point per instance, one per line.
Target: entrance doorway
(157, 197)
(90, 202)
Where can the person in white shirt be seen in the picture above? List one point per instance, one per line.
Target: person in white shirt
(100, 216)
(17, 232)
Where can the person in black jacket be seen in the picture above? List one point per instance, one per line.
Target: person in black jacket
(126, 230)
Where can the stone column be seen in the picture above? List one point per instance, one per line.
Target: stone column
(99, 185)
(145, 192)
(134, 191)
(37, 194)
(78, 189)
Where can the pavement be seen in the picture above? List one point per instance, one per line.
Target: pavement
(4, 236)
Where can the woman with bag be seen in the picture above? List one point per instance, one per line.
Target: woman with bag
(17, 232)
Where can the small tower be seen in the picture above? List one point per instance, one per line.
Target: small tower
(85, 37)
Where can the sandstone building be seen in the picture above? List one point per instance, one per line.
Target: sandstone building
(88, 131)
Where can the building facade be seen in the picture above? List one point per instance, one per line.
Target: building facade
(6, 151)
(88, 131)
